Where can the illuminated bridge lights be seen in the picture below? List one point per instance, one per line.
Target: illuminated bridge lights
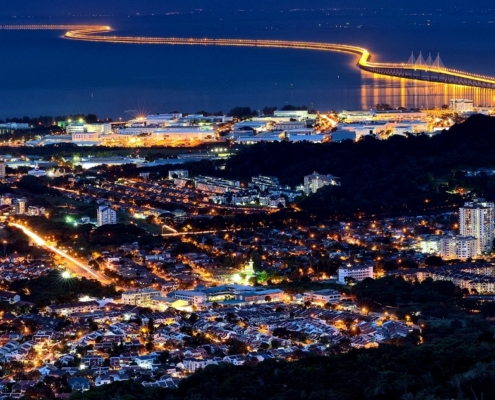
(402, 70)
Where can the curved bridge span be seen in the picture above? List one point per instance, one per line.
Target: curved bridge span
(423, 71)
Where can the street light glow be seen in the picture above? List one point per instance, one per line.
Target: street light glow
(41, 242)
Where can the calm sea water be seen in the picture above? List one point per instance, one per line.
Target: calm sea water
(41, 73)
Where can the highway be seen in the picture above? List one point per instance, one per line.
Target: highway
(75, 266)
(97, 33)
(198, 232)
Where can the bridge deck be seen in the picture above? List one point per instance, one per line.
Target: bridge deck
(403, 70)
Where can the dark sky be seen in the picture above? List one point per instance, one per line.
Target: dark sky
(50, 76)
(118, 7)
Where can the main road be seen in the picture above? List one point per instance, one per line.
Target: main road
(417, 71)
(74, 265)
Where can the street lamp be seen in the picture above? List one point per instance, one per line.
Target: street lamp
(66, 275)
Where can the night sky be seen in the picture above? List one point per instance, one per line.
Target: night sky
(119, 7)
(44, 74)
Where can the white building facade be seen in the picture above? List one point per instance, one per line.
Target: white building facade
(323, 297)
(477, 218)
(140, 297)
(358, 273)
(20, 206)
(3, 166)
(316, 181)
(461, 105)
(460, 247)
(191, 296)
(106, 216)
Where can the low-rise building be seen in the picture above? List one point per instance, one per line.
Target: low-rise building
(9, 297)
(193, 297)
(357, 272)
(36, 211)
(429, 244)
(72, 308)
(322, 296)
(461, 105)
(140, 297)
(193, 364)
(262, 295)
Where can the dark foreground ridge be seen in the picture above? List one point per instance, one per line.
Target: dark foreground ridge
(458, 366)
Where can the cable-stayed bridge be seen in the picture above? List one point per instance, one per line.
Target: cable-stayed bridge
(416, 68)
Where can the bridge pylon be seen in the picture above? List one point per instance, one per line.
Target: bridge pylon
(429, 60)
(438, 62)
(412, 59)
(420, 60)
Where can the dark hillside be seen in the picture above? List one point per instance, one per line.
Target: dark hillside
(398, 175)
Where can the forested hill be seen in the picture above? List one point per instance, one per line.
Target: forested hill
(457, 363)
(378, 177)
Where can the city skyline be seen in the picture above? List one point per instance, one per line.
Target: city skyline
(247, 200)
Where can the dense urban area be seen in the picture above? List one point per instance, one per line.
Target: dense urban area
(277, 253)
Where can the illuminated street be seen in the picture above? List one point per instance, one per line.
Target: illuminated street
(247, 221)
(77, 267)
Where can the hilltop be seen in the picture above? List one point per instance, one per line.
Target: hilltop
(417, 173)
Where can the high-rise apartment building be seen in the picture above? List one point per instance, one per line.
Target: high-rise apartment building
(477, 218)
(316, 181)
(460, 247)
(3, 166)
(106, 215)
(20, 206)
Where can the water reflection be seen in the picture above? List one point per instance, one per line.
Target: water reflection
(399, 92)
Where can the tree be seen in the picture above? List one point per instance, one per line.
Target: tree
(268, 299)
(236, 346)
(241, 112)
(488, 309)
(269, 110)
(349, 280)
(14, 367)
(149, 346)
(382, 107)
(262, 277)
(91, 118)
(94, 265)
(151, 326)
(193, 318)
(290, 107)
(456, 324)
(434, 261)
(164, 356)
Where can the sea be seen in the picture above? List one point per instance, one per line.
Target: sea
(41, 73)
